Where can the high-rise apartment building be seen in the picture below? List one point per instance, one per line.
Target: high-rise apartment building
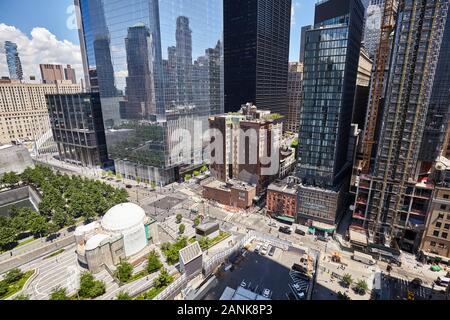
(303, 42)
(256, 53)
(23, 110)
(50, 73)
(393, 199)
(372, 30)
(329, 82)
(13, 61)
(295, 96)
(69, 74)
(439, 106)
(159, 73)
(77, 126)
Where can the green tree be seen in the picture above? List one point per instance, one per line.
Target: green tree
(179, 217)
(124, 271)
(153, 262)
(343, 296)
(196, 173)
(204, 169)
(22, 297)
(123, 296)
(13, 276)
(196, 221)
(181, 229)
(163, 280)
(38, 225)
(89, 287)
(204, 243)
(347, 280)
(10, 179)
(187, 177)
(59, 294)
(361, 287)
(7, 237)
(4, 288)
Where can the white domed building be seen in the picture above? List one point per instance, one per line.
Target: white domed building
(124, 232)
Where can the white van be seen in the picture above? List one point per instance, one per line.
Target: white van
(363, 258)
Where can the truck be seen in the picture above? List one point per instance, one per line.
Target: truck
(363, 258)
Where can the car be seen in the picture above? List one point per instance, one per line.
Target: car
(129, 186)
(265, 249)
(267, 293)
(257, 249)
(300, 232)
(272, 251)
(243, 284)
(286, 230)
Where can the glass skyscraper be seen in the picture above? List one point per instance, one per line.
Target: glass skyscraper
(330, 71)
(158, 66)
(13, 61)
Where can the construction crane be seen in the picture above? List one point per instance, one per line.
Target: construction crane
(378, 81)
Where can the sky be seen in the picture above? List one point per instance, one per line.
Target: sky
(45, 32)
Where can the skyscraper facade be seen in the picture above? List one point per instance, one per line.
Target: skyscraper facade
(158, 66)
(256, 51)
(13, 61)
(51, 73)
(295, 96)
(70, 74)
(372, 29)
(393, 200)
(329, 81)
(303, 42)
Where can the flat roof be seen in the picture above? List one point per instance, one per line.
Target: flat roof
(190, 253)
(358, 237)
(283, 187)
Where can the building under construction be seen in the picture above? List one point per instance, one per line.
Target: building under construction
(393, 190)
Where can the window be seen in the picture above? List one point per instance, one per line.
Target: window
(436, 233)
(447, 226)
(432, 244)
(444, 235)
(446, 196)
(443, 207)
(441, 216)
(438, 224)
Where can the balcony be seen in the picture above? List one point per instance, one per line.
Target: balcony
(358, 215)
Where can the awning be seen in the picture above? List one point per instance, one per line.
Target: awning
(323, 227)
(287, 219)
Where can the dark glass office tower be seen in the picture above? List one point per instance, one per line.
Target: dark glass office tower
(256, 50)
(77, 126)
(158, 66)
(303, 42)
(392, 202)
(330, 72)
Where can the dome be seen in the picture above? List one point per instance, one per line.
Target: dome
(95, 241)
(122, 217)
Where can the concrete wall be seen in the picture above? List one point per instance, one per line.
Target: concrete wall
(20, 194)
(15, 158)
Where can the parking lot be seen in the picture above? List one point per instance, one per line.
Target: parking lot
(259, 272)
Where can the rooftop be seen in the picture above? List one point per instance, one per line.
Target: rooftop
(190, 253)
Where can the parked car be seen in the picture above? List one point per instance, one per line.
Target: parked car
(272, 251)
(300, 232)
(257, 249)
(129, 186)
(286, 230)
(267, 293)
(265, 249)
(442, 281)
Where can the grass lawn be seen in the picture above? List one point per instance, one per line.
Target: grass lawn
(25, 242)
(18, 285)
(54, 254)
(152, 293)
(212, 242)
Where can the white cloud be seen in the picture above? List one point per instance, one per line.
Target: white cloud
(41, 47)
